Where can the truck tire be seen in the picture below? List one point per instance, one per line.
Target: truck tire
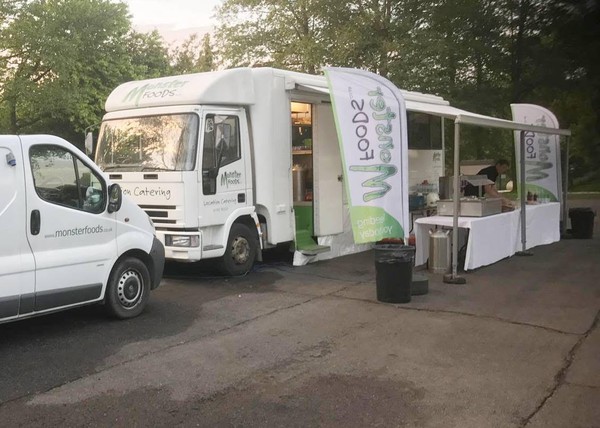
(240, 253)
(128, 289)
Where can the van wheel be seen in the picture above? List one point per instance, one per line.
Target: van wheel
(241, 250)
(128, 289)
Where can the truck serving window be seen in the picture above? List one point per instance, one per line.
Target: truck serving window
(424, 131)
(149, 143)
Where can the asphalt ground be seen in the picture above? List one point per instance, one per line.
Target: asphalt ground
(517, 346)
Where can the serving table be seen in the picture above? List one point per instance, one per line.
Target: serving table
(494, 237)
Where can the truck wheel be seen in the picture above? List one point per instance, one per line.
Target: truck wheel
(240, 253)
(128, 289)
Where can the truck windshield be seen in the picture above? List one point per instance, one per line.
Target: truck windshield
(149, 143)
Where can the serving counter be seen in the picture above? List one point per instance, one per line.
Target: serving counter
(494, 237)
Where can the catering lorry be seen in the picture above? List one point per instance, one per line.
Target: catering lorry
(232, 162)
(68, 237)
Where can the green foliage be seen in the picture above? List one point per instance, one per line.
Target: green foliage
(193, 55)
(61, 58)
(291, 34)
(481, 55)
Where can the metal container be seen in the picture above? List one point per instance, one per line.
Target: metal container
(447, 184)
(480, 207)
(471, 207)
(299, 182)
(439, 251)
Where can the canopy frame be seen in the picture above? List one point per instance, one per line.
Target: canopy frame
(490, 122)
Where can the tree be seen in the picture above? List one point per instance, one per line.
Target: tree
(305, 35)
(193, 55)
(281, 33)
(147, 54)
(572, 80)
(554, 62)
(60, 60)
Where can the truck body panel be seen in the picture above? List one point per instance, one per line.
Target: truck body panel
(276, 122)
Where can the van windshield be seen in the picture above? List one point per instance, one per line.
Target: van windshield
(149, 143)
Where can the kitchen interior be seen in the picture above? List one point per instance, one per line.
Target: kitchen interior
(302, 174)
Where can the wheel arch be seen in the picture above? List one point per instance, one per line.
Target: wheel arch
(143, 257)
(252, 222)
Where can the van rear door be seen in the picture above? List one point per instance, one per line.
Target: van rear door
(17, 267)
(70, 232)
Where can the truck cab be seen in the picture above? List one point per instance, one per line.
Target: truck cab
(69, 237)
(193, 192)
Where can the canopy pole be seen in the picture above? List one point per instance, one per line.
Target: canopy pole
(453, 278)
(443, 147)
(565, 190)
(523, 201)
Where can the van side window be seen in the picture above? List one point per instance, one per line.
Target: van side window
(63, 179)
(221, 147)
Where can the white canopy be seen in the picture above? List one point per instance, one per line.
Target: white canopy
(437, 106)
(465, 117)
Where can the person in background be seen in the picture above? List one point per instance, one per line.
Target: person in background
(489, 190)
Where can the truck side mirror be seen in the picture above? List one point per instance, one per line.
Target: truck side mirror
(115, 198)
(89, 144)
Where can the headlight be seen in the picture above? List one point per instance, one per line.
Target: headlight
(182, 241)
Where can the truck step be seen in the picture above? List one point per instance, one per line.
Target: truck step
(313, 250)
(307, 245)
(211, 247)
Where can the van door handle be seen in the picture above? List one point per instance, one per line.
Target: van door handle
(36, 222)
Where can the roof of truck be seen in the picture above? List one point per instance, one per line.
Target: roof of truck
(236, 86)
(227, 87)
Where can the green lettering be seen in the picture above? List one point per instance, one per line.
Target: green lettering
(536, 172)
(387, 142)
(385, 171)
(388, 115)
(383, 129)
(135, 94)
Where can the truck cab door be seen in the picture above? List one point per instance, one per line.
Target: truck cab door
(71, 234)
(224, 174)
(17, 266)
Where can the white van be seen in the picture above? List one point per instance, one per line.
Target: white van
(67, 236)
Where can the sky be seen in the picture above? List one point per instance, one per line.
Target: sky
(174, 19)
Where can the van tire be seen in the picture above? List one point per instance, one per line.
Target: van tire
(240, 253)
(128, 289)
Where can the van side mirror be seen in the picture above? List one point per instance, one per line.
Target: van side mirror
(89, 144)
(115, 198)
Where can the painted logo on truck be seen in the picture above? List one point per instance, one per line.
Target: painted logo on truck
(153, 91)
(232, 178)
(155, 192)
(79, 231)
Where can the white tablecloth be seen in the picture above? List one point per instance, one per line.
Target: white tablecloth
(494, 237)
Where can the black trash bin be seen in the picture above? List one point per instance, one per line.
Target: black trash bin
(582, 222)
(393, 267)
